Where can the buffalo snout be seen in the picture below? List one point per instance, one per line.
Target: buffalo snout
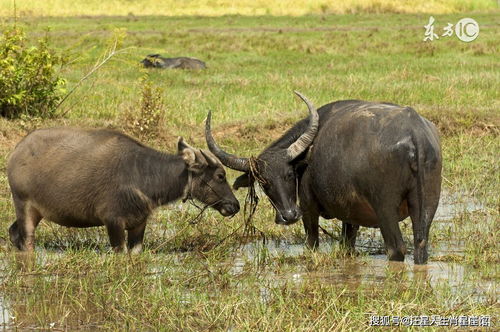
(288, 216)
(228, 208)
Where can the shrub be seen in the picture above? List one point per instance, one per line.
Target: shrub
(29, 82)
(144, 120)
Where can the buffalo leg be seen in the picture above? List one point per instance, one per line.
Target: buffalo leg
(16, 235)
(310, 221)
(310, 217)
(391, 233)
(116, 233)
(420, 229)
(135, 238)
(22, 231)
(349, 233)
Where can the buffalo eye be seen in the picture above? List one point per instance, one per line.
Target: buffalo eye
(289, 175)
(221, 177)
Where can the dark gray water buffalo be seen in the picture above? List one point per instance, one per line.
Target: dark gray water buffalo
(157, 61)
(367, 164)
(86, 178)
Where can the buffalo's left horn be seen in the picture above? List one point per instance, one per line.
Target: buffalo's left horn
(229, 160)
(303, 142)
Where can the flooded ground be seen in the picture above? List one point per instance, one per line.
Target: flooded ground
(260, 266)
(4, 313)
(452, 204)
(372, 270)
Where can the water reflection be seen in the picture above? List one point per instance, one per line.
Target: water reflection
(5, 317)
(452, 204)
(354, 272)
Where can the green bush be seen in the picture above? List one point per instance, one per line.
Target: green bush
(29, 80)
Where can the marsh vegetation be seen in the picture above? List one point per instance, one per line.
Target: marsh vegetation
(218, 273)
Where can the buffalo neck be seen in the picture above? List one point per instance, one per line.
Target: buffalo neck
(161, 177)
(290, 136)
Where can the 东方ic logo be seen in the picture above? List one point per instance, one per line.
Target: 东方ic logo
(467, 29)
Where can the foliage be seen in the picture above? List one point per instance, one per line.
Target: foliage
(29, 82)
(144, 119)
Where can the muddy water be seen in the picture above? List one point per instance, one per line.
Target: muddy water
(363, 272)
(373, 268)
(5, 315)
(453, 204)
(369, 271)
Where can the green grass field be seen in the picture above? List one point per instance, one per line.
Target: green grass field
(213, 276)
(241, 7)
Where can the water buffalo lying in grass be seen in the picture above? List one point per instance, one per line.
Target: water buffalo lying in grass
(86, 178)
(157, 61)
(367, 164)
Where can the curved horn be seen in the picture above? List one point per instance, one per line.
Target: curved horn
(229, 160)
(303, 142)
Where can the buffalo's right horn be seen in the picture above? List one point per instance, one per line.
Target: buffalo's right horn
(229, 160)
(303, 142)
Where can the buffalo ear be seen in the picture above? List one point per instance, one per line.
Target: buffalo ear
(241, 181)
(191, 156)
(210, 158)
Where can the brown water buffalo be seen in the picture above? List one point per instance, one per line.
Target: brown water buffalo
(367, 164)
(96, 177)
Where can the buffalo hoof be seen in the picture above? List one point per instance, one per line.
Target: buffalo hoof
(396, 255)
